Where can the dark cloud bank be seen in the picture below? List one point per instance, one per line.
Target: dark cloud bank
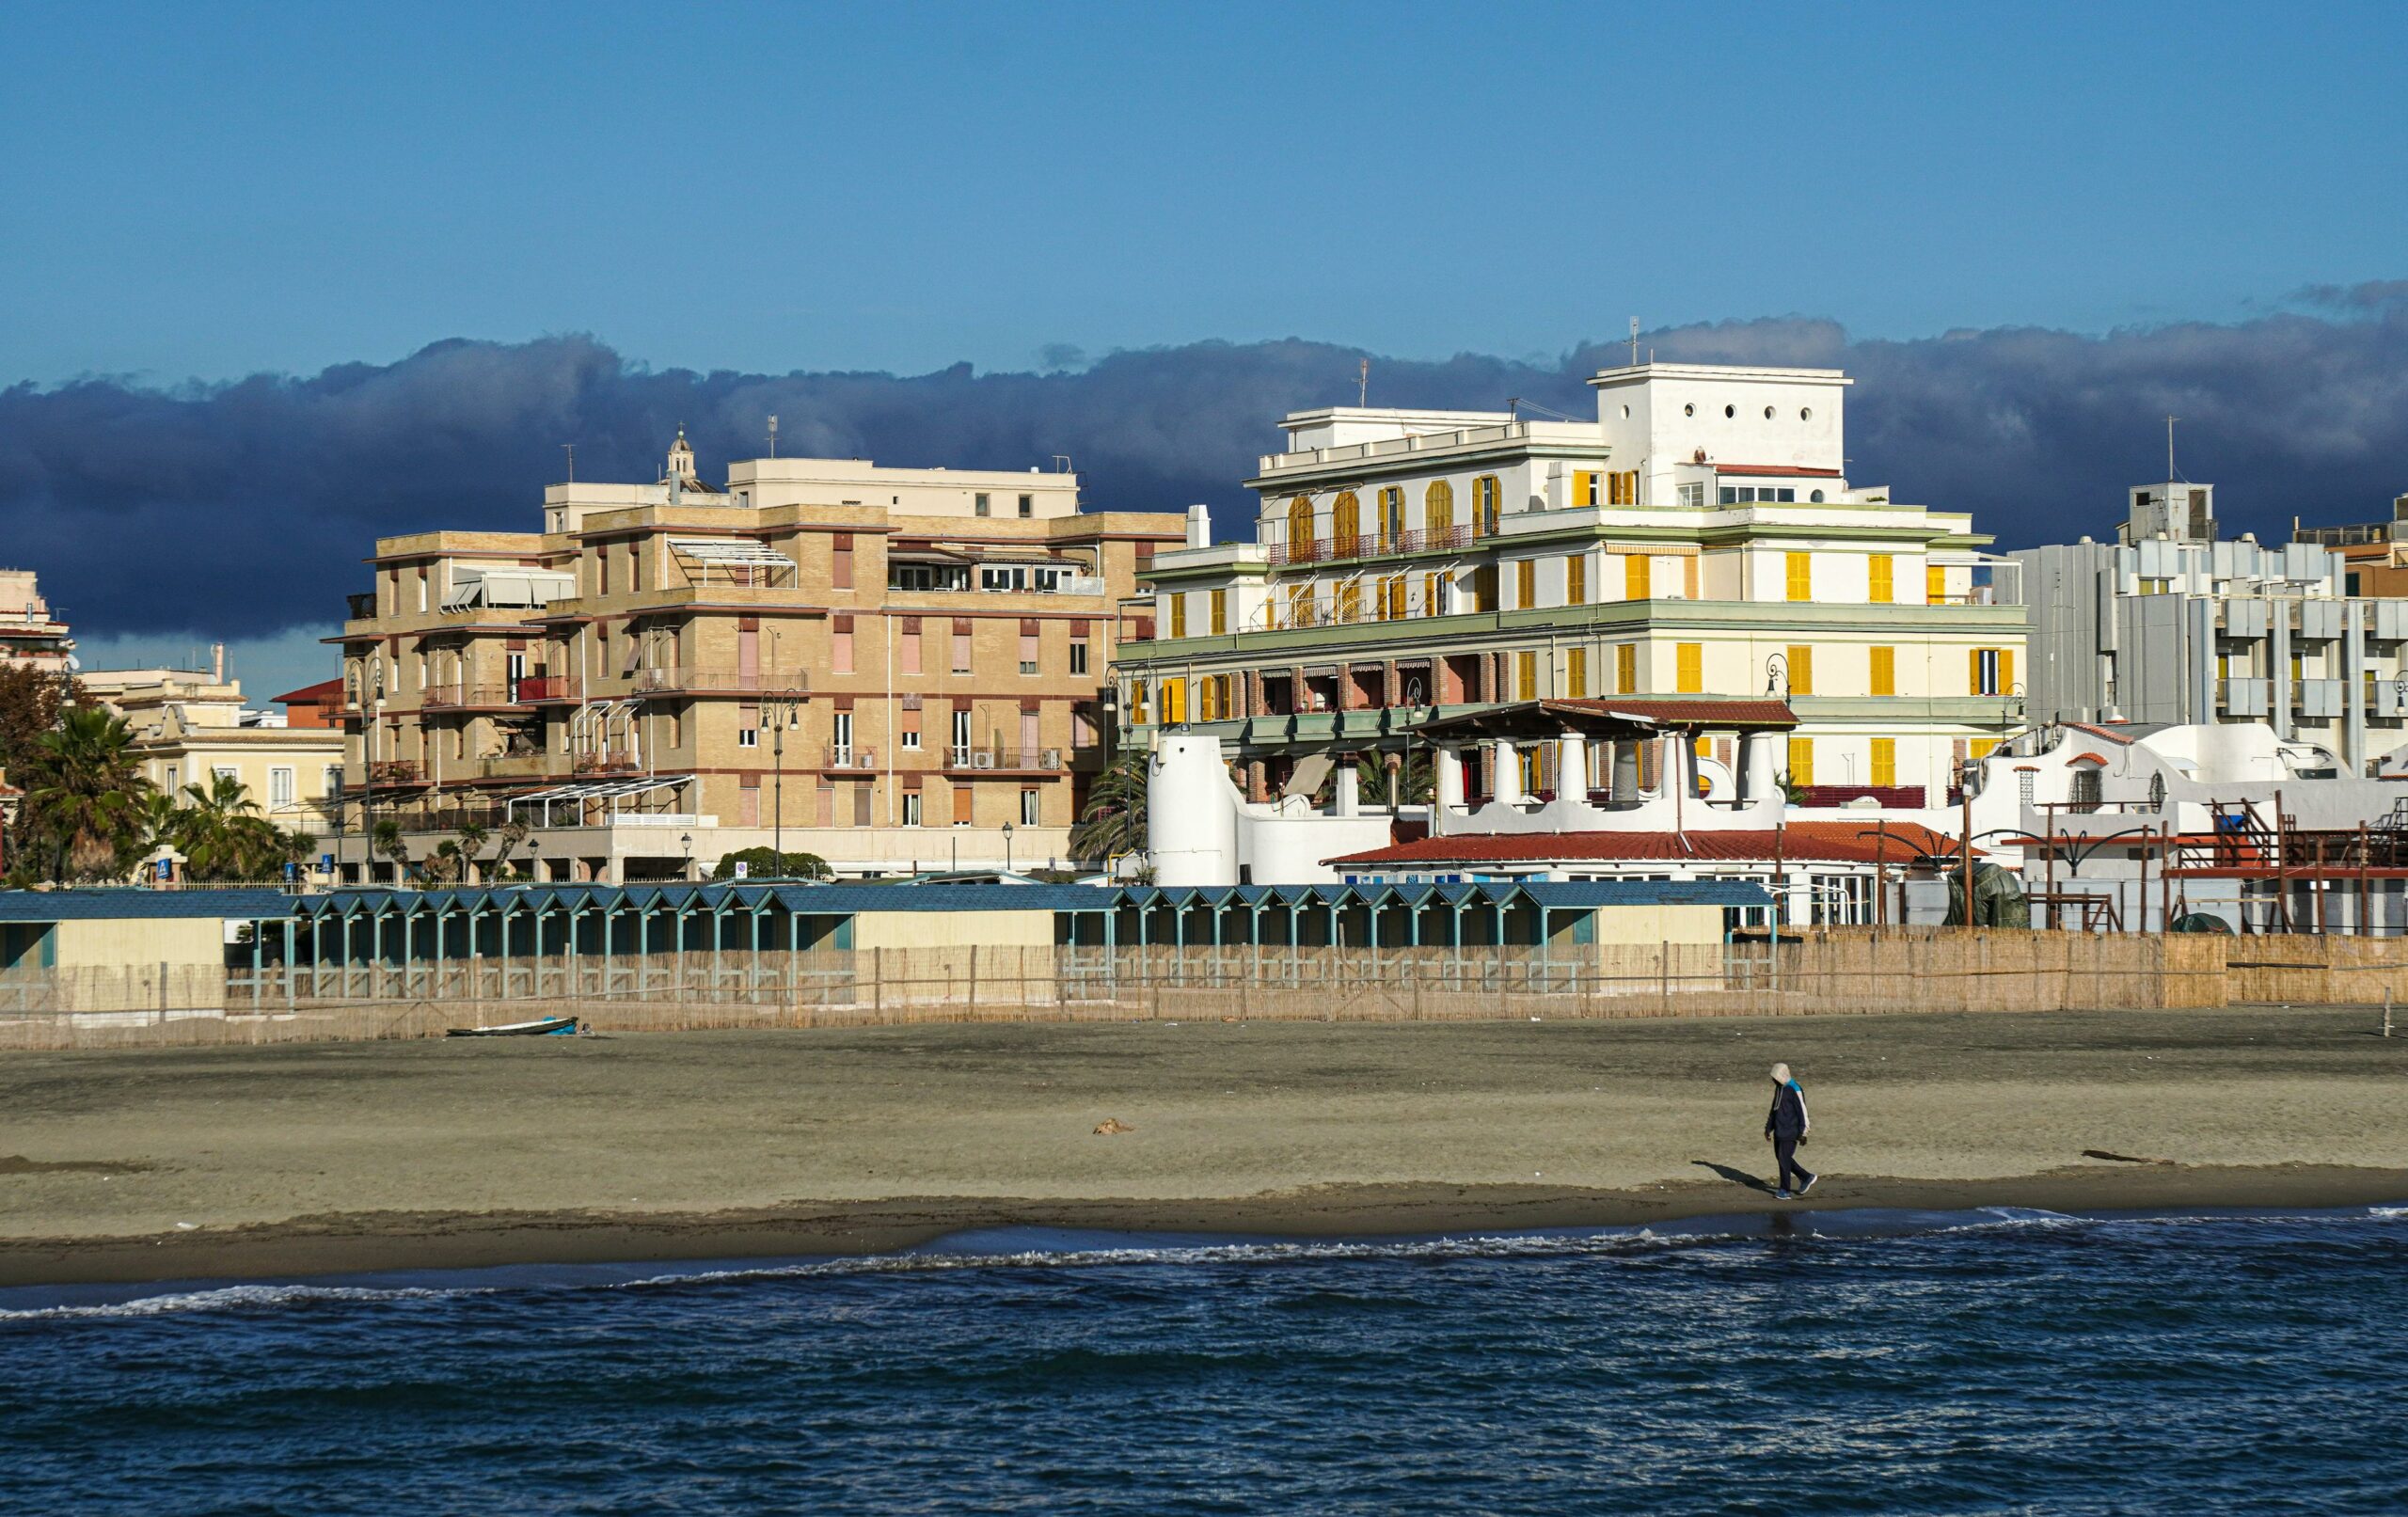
(244, 509)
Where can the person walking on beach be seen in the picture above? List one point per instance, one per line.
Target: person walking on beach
(1785, 1127)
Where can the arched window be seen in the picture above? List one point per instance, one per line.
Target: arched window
(1486, 495)
(1345, 525)
(1392, 513)
(1438, 507)
(1300, 527)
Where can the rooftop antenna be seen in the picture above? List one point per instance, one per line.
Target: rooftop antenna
(570, 448)
(1363, 384)
(2170, 475)
(773, 436)
(1634, 343)
(1514, 406)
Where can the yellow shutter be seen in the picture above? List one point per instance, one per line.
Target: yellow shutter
(1801, 761)
(1220, 612)
(1576, 579)
(1973, 672)
(2006, 671)
(1885, 760)
(1635, 568)
(1877, 574)
(1690, 669)
(1689, 578)
(1935, 586)
(1982, 748)
(1174, 701)
(1885, 670)
(1801, 670)
(1526, 677)
(1577, 673)
(1431, 600)
(1584, 488)
(1626, 670)
(1179, 616)
(1525, 583)
(1350, 601)
(1802, 575)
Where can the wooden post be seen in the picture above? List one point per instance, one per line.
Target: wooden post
(878, 982)
(1664, 974)
(971, 1002)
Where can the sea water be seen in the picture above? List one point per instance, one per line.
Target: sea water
(1990, 1362)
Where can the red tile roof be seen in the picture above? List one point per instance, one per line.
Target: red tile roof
(325, 690)
(1849, 841)
(1710, 712)
(1778, 470)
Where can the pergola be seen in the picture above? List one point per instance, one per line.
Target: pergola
(1608, 720)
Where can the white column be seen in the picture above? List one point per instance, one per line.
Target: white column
(1508, 769)
(1450, 777)
(1572, 767)
(1346, 796)
(1758, 781)
(1625, 772)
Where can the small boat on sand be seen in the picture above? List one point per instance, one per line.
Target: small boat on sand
(547, 1027)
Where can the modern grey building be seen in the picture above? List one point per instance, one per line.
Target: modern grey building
(2168, 624)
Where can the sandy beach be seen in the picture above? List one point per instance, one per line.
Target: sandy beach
(275, 1161)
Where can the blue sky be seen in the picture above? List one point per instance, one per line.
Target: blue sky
(213, 190)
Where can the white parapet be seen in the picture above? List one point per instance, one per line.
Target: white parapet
(1200, 830)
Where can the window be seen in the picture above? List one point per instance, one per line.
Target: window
(1636, 568)
(1576, 579)
(1391, 522)
(840, 644)
(1208, 706)
(1028, 649)
(841, 561)
(1584, 487)
(1802, 575)
(225, 771)
(982, 507)
(1028, 505)
(1885, 762)
(1885, 670)
(1729, 412)
(635, 564)
(1688, 676)
(748, 726)
(1935, 585)
(279, 788)
(1877, 579)
(1138, 689)
(602, 569)
(908, 738)
(1525, 583)
(1345, 526)
(1801, 669)
(911, 649)
(840, 739)
(1350, 601)
(1801, 761)
(1392, 599)
(1174, 701)
(1177, 615)
(1300, 527)
(1621, 487)
(961, 645)
(1487, 503)
(961, 805)
(1991, 671)
(332, 779)
(1438, 506)
(1220, 612)
(1433, 602)
(1626, 669)
(421, 589)
(1576, 672)
(1690, 495)
(1526, 676)
(960, 754)
(1079, 657)
(911, 808)
(1029, 816)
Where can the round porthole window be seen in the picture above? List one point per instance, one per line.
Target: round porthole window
(1729, 411)
(1625, 413)
(1816, 498)
(1689, 410)
(1805, 413)
(1767, 413)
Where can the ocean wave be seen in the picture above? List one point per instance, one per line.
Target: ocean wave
(238, 1298)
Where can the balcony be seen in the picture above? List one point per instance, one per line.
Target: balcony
(719, 682)
(363, 605)
(395, 772)
(440, 697)
(1370, 545)
(610, 761)
(1008, 760)
(535, 688)
(515, 766)
(847, 756)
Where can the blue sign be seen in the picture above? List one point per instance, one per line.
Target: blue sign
(326, 862)
(167, 869)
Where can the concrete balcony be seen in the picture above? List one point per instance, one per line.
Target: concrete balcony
(1008, 760)
(719, 682)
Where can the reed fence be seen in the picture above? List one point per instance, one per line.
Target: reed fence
(1832, 971)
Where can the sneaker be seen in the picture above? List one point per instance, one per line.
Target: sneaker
(1809, 1185)
(1781, 1195)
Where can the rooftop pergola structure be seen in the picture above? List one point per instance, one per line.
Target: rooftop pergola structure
(1576, 724)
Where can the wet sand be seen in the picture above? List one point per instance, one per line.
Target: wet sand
(295, 1160)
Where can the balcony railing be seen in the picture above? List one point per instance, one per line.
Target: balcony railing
(515, 766)
(610, 761)
(1371, 545)
(395, 772)
(536, 688)
(1010, 760)
(848, 756)
(436, 697)
(721, 681)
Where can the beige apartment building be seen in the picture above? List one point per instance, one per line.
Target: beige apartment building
(29, 633)
(191, 726)
(895, 669)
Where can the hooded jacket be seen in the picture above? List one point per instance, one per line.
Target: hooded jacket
(1788, 1118)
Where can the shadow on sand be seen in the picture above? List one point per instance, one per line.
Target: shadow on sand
(1736, 1177)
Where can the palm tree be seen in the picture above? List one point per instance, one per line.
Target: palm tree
(224, 835)
(472, 846)
(513, 832)
(1113, 822)
(1416, 780)
(85, 793)
(390, 843)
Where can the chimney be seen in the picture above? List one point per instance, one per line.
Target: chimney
(218, 663)
(1199, 527)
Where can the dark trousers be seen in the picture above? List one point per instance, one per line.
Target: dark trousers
(1785, 1151)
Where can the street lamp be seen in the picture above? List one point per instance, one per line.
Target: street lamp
(1777, 678)
(1008, 847)
(536, 859)
(781, 715)
(686, 840)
